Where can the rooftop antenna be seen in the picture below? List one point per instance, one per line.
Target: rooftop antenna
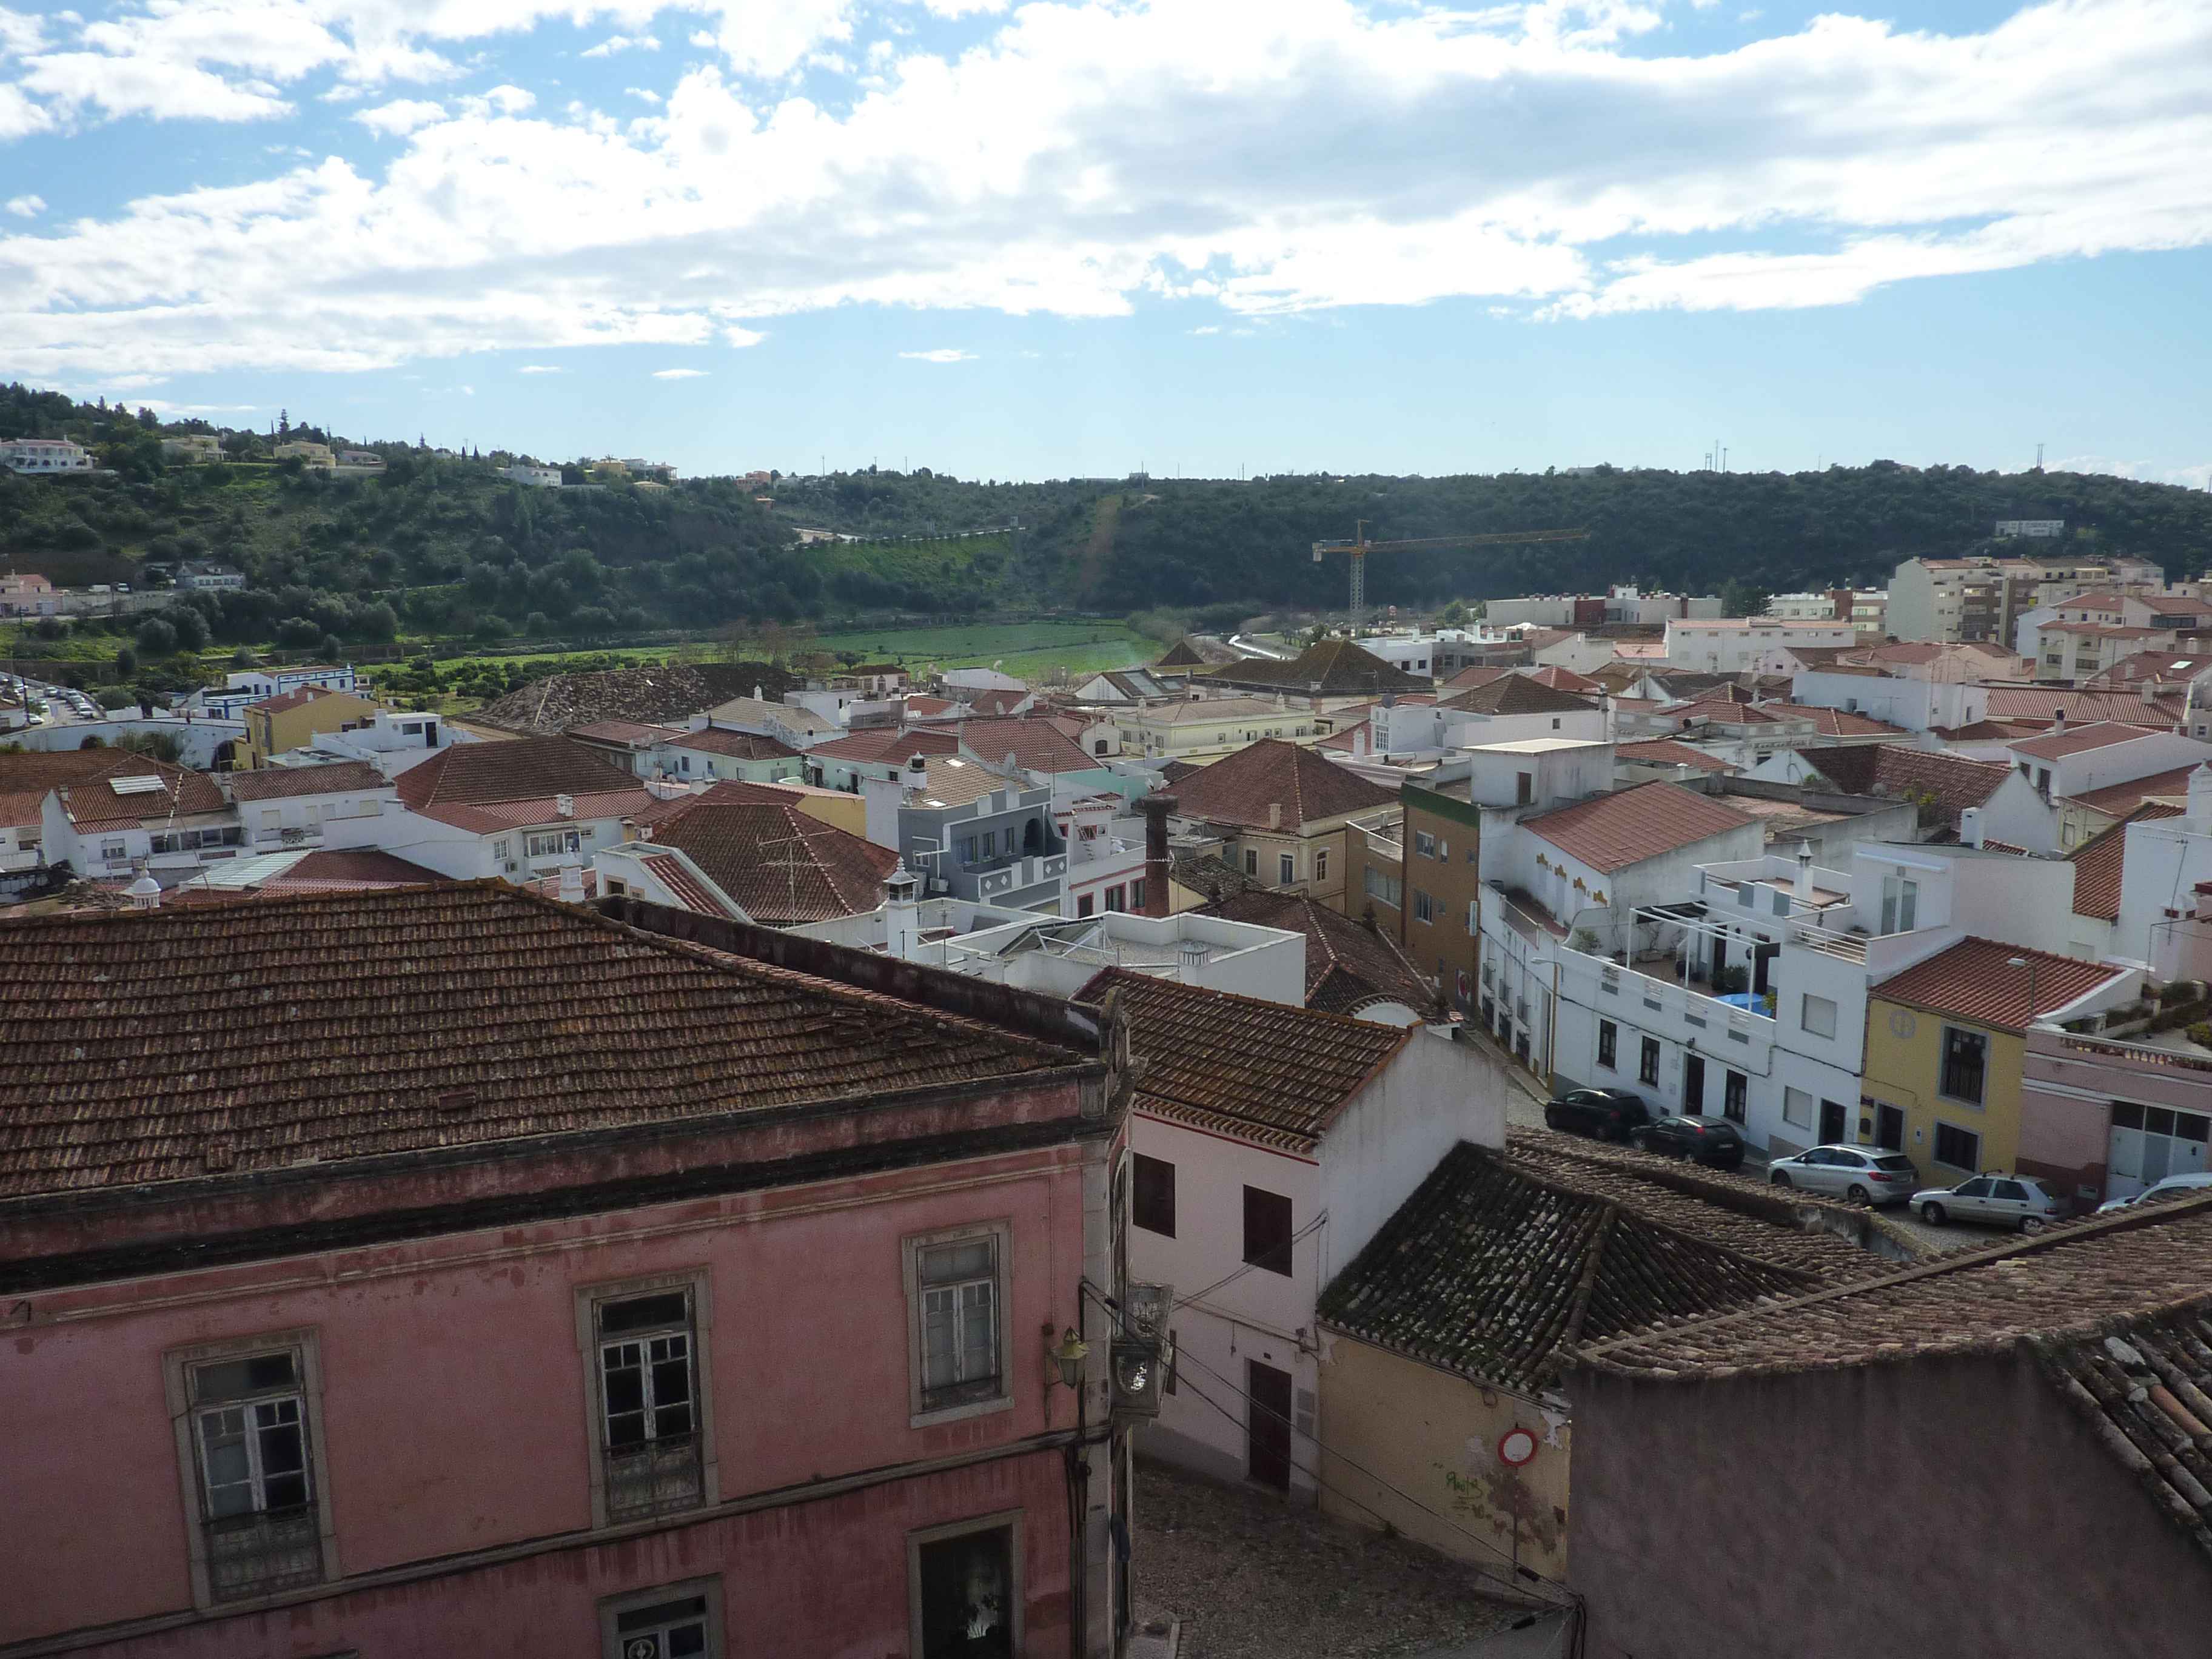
(790, 866)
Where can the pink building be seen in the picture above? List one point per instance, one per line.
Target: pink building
(2102, 1119)
(446, 1270)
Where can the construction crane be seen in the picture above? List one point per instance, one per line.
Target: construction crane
(1360, 547)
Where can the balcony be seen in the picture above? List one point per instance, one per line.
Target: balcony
(658, 1478)
(260, 1554)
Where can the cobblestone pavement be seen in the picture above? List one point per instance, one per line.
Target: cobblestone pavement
(1252, 1577)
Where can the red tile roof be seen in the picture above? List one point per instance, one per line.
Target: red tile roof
(737, 745)
(485, 788)
(284, 701)
(782, 864)
(624, 734)
(1948, 783)
(888, 745)
(1468, 678)
(184, 794)
(1519, 694)
(1975, 980)
(2101, 862)
(2116, 800)
(2056, 745)
(1238, 1066)
(995, 701)
(130, 1056)
(1665, 751)
(1843, 723)
(282, 782)
(1338, 668)
(1239, 788)
(1564, 679)
(2024, 702)
(1614, 831)
(1037, 746)
(26, 780)
(1349, 964)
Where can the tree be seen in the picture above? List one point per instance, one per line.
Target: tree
(126, 662)
(157, 637)
(1453, 614)
(191, 627)
(1740, 597)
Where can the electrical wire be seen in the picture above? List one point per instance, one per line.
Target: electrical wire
(1321, 1220)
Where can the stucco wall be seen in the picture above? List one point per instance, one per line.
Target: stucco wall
(1949, 1507)
(1434, 1435)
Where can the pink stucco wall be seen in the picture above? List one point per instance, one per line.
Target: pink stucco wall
(454, 1419)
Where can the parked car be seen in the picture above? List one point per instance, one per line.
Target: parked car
(1608, 1113)
(2191, 1180)
(1712, 1141)
(1864, 1175)
(1994, 1200)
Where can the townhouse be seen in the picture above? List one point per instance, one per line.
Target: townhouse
(1286, 815)
(1194, 726)
(520, 810)
(290, 720)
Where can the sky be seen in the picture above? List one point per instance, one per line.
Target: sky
(1075, 238)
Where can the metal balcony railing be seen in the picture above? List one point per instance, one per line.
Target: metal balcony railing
(260, 1554)
(654, 1479)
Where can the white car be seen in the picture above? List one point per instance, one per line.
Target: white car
(1997, 1199)
(2173, 1183)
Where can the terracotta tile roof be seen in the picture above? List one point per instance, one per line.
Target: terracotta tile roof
(783, 866)
(1985, 732)
(1037, 746)
(2101, 862)
(1519, 694)
(728, 791)
(1897, 771)
(2056, 745)
(2117, 799)
(996, 701)
(1239, 788)
(2023, 702)
(1498, 1266)
(675, 870)
(953, 782)
(489, 786)
(1213, 875)
(26, 780)
(1349, 964)
(1468, 678)
(1180, 655)
(2154, 666)
(737, 745)
(1625, 828)
(625, 734)
(184, 794)
(284, 701)
(1176, 770)
(1340, 667)
(921, 707)
(1975, 980)
(1240, 1066)
(887, 744)
(1842, 723)
(132, 1055)
(1665, 751)
(281, 782)
(1345, 738)
(1199, 710)
(2065, 1289)
(340, 870)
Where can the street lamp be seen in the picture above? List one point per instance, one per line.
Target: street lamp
(1067, 1357)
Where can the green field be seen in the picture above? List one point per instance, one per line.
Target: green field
(1029, 651)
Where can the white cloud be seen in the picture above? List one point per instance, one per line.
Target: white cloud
(678, 373)
(941, 354)
(539, 368)
(643, 93)
(1272, 157)
(27, 207)
(1210, 328)
(615, 43)
(735, 335)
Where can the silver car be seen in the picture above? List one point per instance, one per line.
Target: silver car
(2194, 1180)
(1997, 1199)
(1864, 1175)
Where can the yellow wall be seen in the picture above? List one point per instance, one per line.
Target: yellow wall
(1415, 1425)
(1271, 844)
(833, 806)
(1904, 1068)
(290, 727)
(1177, 739)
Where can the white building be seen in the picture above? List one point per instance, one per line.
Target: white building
(1914, 704)
(538, 478)
(520, 809)
(391, 740)
(200, 578)
(1733, 645)
(43, 456)
(336, 804)
(1803, 607)
(1268, 1144)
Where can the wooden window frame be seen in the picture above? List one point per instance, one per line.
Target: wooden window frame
(1001, 1231)
(588, 1297)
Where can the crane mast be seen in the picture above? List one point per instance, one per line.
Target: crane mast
(1358, 547)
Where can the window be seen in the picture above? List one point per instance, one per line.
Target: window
(967, 849)
(1137, 894)
(249, 1448)
(990, 843)
(1818, 1016)
(1152, 1195)
(644, 1349)
(675, 1622)
(1117, 898)
(550, 843)
(1251, 861)
(1960, 1148)
(501, 851)
(1524, 788)
(1608, 1042)
(1320, 864)
(1425, 844)
(1083, 906)
(1966, 1063)
(958, 1298)
(965, 1591)
(1797, 1108)
(1734, 1093)
(1424, 908)
(1286, 869)
(113, 852)
(1267, 1229)
(1900, 902)
(1385, 890)
(1646, 1069)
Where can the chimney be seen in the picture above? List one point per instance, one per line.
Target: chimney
(629, 829)
(1805, 870)
(571, 888)
(2149, 692)
(1190, 956)
(145, 893)
(1970, 827)
(1156, 809)
(2057, 720)
(902, 913)
(1275, 815)
(564, 806)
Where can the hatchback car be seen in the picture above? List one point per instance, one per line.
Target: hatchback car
(1994, 1201)
(1608, 1113)
(1712, 1141)
(1864, 1175)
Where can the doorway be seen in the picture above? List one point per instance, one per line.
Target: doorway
(1832, 1121)
(1720, 962)
(967, 1595)
(1762, 960)
(1889, 1129)
(1267, 1425)
(1693, 1084)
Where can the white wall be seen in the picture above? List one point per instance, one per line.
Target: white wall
(1915, 705)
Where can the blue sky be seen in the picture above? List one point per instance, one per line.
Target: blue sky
(1067, 238)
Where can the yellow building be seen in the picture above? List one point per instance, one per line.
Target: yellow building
(1211, 726)
(291, 718)
(315, 455)
(1944, 1045)
(1286, 817)
(198, 447)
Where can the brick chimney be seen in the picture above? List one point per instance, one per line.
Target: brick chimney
(1156, 809)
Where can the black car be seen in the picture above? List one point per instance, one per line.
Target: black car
(1712, 1141)
(1608, 1113)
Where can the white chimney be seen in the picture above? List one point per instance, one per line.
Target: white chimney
(1805, 870)
(2200, 795)
(2058, 720)
(1970, 827)
(1275, 815)
(902, 913)
(564, 806)
(571, 888)
(1190, 956)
